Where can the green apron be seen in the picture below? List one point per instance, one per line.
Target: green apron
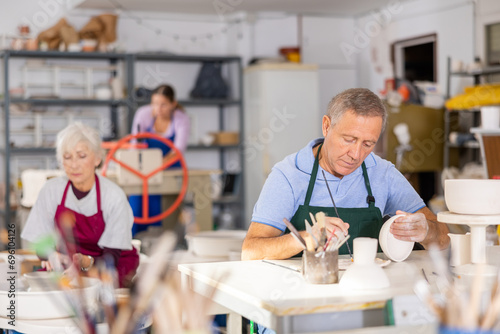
(363, 222)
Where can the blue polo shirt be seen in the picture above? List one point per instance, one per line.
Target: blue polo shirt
(286, 186)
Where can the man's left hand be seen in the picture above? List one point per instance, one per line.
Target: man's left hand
(411, 227)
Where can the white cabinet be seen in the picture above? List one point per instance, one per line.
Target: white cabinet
(282, 115)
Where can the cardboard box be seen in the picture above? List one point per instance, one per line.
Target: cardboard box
(226, 138)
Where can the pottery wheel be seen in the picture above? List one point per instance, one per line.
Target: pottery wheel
(477, 224)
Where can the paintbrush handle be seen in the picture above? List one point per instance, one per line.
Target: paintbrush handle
(342, 242)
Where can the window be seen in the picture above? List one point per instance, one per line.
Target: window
(493, 44)
(415, 59)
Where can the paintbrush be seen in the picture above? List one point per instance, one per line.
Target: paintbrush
(335, 207)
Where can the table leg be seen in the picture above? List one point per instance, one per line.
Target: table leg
(234, 323)
(200, 186)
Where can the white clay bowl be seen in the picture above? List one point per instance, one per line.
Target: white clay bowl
(37, 305)
(472, 197)
(395, 249)
(216, 243)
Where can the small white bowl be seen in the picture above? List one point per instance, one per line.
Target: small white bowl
(395, 249)
(472, 197)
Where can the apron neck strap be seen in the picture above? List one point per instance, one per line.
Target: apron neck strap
(314, 174)
(98, 193)
(63, 200)
(369, 199)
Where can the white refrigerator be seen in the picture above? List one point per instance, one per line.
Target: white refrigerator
(281, 116)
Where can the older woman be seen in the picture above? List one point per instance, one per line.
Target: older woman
(99, 212)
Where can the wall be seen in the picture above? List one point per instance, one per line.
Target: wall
(321, 41)
(257, 35)
(451, 20)
(487, 12)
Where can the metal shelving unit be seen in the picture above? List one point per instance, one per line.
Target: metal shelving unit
(472, 113)
(220, 104)
(130, 102)
(6, 151)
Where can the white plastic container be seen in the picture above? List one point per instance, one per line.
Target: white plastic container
(490, 117)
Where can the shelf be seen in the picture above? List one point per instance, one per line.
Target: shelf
(22, 132)
(12, 211)
(69, 68)
(183, 59)
(200, 103)
(471, 110)
(471, 144)
(30, 150)
(221, 200)
(227, 200)
(62, 85)
(484, 71)
(211, 147)
(486, 132)
(62, 54)
(89, 102)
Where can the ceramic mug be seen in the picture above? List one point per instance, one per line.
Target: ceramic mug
(460, 249)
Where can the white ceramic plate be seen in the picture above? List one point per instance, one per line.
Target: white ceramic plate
(345, 263)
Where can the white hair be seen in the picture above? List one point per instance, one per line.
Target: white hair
(74, 134)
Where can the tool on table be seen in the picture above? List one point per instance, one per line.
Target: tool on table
(274, 263)
(335, 207)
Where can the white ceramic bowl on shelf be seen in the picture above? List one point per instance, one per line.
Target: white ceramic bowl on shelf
(395, 249)
(472, 196)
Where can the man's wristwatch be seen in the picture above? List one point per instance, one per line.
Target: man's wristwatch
(91, 259)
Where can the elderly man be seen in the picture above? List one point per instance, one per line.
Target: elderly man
(364, 186)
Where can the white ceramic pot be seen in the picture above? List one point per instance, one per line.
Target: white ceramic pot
(215, 243)
(103, 93)
(395, 249)
(49, 304)
(472, 197)
(364, 273)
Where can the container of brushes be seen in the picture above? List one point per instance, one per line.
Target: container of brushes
(320, 267)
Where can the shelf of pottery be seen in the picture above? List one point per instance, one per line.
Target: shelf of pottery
(42, 80)
(39, 128)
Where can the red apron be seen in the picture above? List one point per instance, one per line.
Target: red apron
(87, 231)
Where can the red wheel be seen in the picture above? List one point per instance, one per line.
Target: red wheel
(145, 219)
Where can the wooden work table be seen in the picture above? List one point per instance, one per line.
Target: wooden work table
(199, 184)
(280, 299)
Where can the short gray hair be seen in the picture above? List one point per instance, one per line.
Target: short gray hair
(360, 101)
(75, 133)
